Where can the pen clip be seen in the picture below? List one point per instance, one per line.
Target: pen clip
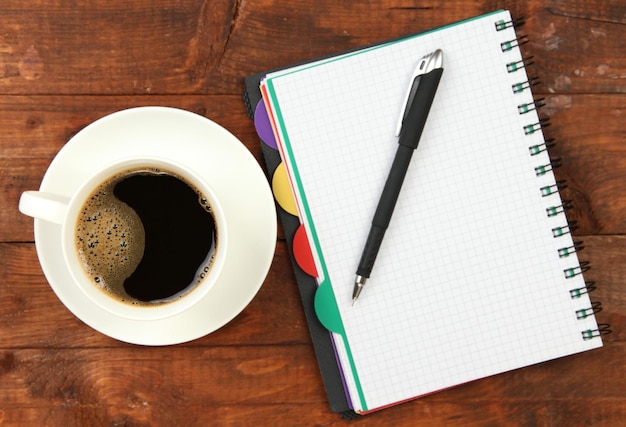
(425, 65)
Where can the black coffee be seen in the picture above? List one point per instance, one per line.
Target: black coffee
(146, 236)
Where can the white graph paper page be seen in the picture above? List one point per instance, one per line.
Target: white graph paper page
(468, 281)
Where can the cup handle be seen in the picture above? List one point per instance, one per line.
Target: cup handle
(46, 206)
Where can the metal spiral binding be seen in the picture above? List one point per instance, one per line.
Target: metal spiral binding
(578, 292)
(551, 189)
(583, 313)
(566, 229)
(603, 329)
(527, 107)
(548, 190)
(543, 169)
(511, 44)
(534, 127)
(575, 271)
(555, 210)
(512, 67)
(540, 148)
(515, 23)
(522, 86)
(576, 247)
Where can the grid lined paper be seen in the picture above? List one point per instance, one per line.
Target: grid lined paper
(468, 282)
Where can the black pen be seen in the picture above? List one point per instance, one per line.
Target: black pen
(419, 98)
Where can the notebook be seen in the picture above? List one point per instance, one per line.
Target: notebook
(478, 273)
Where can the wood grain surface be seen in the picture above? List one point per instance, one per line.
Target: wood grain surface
(64, 64)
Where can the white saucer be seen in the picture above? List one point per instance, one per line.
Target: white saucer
(212, 152)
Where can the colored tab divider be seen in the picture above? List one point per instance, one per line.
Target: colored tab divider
(282, 193)
(325, 303)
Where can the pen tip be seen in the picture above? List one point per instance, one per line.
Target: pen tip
(359, 282)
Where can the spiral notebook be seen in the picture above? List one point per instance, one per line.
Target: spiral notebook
(478, 273)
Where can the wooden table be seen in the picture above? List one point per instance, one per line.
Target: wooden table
(64, 64)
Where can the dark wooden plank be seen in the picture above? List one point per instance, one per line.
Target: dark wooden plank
(137, 412)
(610, 11)
(38, 127)
(593, 157)
(233, 375)
(191, 46)
(238, 381)
(113, 47)
(144, 384)
(596, 412)
(31, 316)
(589, 134)
(547, 412)
(606, 255)
(576, 46)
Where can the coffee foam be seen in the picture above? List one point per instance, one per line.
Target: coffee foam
(110, 239)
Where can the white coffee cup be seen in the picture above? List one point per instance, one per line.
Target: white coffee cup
(207, 157)
(65, 211)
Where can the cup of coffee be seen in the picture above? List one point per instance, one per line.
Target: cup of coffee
(154, 225)
(143, 237)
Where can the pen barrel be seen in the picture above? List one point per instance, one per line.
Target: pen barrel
(393, 185)
(384, 210)
(374, 240)
(415, 121)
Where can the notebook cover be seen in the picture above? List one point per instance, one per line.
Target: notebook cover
(307, 285)
(323, 344)
(311, 136)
